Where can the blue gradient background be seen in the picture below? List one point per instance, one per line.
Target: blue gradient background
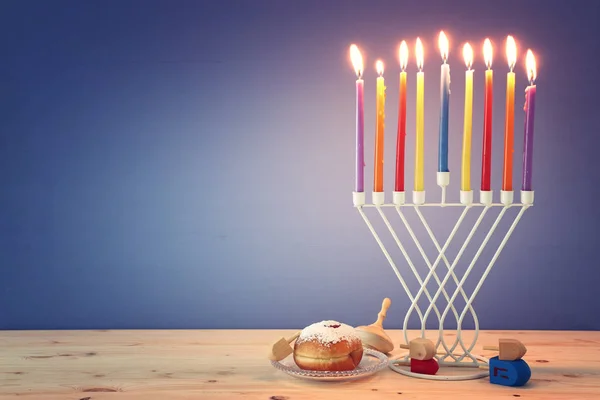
(189, 164)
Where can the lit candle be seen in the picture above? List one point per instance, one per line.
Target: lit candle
(465, 184)
(379, 129)
(357, 63)
(444, 100)
(529, 117)
(486, 163)
(420, 123)
(401, 140)
(509, 120)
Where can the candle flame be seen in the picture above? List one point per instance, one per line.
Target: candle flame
(443, 43)
(487, 53)
(531, 67)
(403, 55)
(511, 52)
(419, 54)
(357, 60)
(379, 67)
(468, 55)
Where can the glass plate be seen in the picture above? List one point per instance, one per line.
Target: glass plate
(372, 361)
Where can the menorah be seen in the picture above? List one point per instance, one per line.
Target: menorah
(456, 353)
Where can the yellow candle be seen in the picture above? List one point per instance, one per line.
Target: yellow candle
(420, 123)
(379, 129)
(465, 183)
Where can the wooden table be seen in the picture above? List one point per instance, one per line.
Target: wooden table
(232, 364)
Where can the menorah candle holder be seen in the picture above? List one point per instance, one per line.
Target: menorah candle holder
(458, 353)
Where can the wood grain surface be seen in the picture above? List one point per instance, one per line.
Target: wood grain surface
(233, 364)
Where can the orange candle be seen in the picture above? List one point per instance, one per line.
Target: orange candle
(509, 121)
(379, 129)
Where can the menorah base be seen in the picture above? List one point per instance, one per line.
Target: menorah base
(457, 355)
(449, 371)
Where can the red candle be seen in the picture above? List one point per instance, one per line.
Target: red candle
(486, 162)
(400, 146)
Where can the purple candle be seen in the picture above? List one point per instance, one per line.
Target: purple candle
(529, 119)
(357, 62)
(360, 137)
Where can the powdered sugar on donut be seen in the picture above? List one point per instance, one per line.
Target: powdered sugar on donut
(328, 332)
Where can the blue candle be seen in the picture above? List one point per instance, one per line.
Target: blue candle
(445, 106)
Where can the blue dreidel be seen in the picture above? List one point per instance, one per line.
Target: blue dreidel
(509, 373)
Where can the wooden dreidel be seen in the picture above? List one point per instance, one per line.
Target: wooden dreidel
(509, 373)
(421, 352)
(508, 349)
(428, 367)
(373, 336)
(282, 348)
(420, 349)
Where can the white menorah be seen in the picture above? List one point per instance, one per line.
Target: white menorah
(454, 354)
